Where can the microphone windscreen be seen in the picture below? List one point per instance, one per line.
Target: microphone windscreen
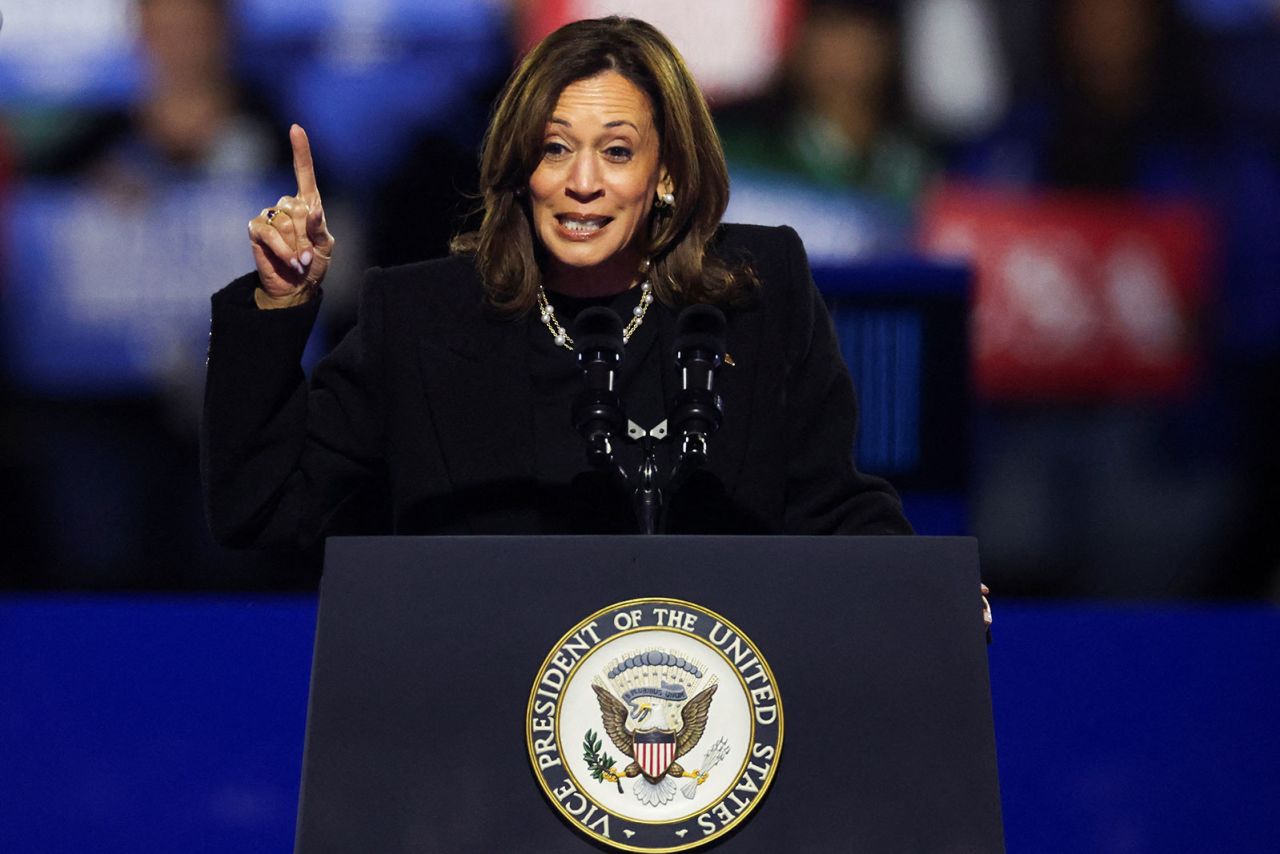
(700, 327)
(598, 328)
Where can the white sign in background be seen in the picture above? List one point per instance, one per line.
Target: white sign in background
(56, 50)
(110, 290)
(732, 46)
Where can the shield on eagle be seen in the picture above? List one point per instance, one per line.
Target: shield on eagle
(655, 751)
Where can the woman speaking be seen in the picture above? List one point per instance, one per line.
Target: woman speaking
(448, 408)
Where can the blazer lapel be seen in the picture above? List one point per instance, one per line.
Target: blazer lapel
(477, 386)
(737, 385)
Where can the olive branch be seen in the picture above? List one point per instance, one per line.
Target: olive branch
(599, 764)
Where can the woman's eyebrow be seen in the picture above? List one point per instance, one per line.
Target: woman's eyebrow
(556, 120)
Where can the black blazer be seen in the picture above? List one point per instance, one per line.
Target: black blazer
(419, 421)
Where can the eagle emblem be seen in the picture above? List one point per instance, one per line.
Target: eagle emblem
(673, 686)
(654, 706)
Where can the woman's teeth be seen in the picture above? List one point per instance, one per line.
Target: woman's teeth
(583, 226)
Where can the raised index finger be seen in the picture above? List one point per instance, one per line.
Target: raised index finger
(303, 169)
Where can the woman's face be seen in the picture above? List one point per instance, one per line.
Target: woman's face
(592, 193)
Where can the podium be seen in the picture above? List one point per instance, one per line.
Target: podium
(427, 651)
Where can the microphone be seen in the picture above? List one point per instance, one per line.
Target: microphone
(597, 412)
(698, 410)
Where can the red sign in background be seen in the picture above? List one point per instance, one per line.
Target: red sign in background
(1078, 297)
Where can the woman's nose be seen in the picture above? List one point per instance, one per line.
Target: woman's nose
(584, 178)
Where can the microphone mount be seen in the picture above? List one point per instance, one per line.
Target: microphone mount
(695, 413)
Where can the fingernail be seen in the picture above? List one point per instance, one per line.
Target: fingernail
(306, 257)
(295, 265)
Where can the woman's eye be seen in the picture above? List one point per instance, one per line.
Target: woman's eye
(554, 150)
(619, 153)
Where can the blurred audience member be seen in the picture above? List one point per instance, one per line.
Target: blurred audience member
(834, 119)
(193, 119)
(1122, 108)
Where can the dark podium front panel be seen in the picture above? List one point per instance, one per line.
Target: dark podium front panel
(427, 650)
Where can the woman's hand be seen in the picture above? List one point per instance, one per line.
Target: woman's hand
(291, 243)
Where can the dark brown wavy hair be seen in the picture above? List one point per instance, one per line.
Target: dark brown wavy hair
(504, 246)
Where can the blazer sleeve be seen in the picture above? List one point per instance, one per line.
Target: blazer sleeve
(285, 462)
(825, 492)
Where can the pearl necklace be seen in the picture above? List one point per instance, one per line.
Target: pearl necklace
(547, 312)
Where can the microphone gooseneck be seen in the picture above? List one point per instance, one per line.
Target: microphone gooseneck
(597, 412)
(698, 410)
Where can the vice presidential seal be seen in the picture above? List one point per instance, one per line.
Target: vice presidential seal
(654, 725)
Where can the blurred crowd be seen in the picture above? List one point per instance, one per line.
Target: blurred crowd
(1110, 169)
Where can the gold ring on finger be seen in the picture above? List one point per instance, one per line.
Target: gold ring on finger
(271, 213)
